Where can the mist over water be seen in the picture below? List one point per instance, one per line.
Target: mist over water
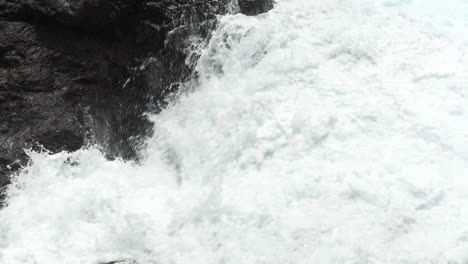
(448, 9)
(320, 132)
(450, 15)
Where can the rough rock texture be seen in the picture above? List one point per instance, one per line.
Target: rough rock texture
(254, 7)
(85, 71)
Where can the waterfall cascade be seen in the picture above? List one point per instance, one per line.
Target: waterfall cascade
(323, 131)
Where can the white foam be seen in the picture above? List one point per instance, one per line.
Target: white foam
(323, 132)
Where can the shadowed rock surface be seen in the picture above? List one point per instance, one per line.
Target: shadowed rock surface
(254, 7)
(84, 72)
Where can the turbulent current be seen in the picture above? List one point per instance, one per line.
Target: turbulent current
(320, 132)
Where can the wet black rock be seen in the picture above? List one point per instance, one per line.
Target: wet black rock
(86, 14)
(255, 7)
(81, 72)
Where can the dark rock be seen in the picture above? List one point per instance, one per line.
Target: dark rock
(83, 72)
(47, 75)
(86, 14)
(123, 261)
(255, 7)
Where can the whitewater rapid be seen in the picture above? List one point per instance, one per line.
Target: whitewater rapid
(320, 132)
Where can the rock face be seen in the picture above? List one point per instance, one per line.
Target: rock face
(85, 71)
(91, 14)
(254, 7)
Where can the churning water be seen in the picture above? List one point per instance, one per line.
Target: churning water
(322, 132)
